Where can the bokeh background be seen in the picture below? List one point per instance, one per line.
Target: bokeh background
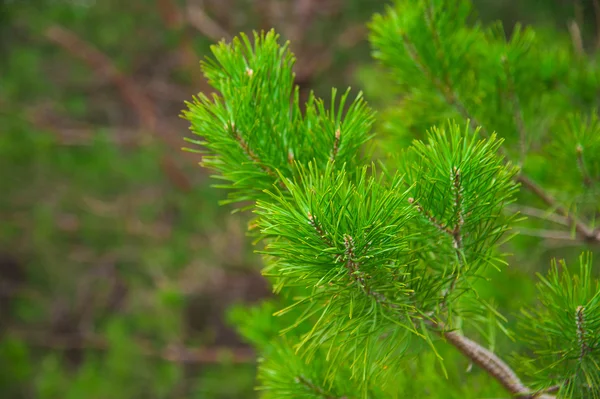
(118, 268)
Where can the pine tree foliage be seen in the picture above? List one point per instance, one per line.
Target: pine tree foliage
(459, 186)
(255, 129)
(564, 332)
(376, 267)
(533, 88)
(345, 242)
(580, 135)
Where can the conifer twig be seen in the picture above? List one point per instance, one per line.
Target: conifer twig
(252, 156)
(336, 144)
(351, 264)
(490, 363)
(313, 222)
(579, 321)
(460, 220)
(434, 222)
(358, 276)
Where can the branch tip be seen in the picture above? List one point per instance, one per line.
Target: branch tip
(336, 144)
(579, 322)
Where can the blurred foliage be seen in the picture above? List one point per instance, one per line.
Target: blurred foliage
(115, 261)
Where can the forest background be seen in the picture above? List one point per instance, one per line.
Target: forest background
(119, 272)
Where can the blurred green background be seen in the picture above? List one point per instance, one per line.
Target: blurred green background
(117, 266)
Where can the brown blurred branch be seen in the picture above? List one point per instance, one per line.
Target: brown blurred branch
(576, 38)
(547, 234)
(303, 12)
(145, 109)
(596, 5)
(586, 233)
(171, 353)
(75, 133)
(174, 20)
(205, 24)
(103, 66)
(538, 213)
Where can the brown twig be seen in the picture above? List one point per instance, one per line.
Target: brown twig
(359, 277)
(319, 229)
(582, 229)
(252, 156)
(538, 213)
(489, 362)
(434, 222)
(548, 234)
(74, 133)
(458, 201)
(581, 338)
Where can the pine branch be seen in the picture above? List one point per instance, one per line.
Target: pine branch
(434, 222)
(455, 232)
(353, 266)
(448, 93)
(360, 277)
(336, 145)
(490, 363)
(460, 220)
(251, 154)
(313, 222)
(581, 339)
